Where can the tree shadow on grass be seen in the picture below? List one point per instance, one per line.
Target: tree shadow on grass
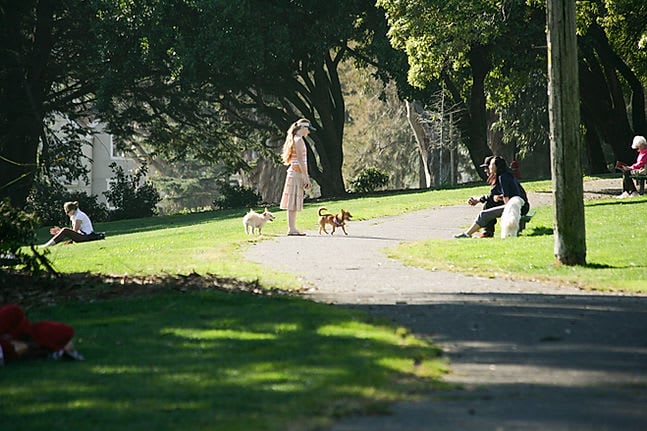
(540, 231)
(232, 361)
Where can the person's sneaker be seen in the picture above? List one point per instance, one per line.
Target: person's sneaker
(462, 235)
(74, 354)
(57, 355)
(486, 235)
(634, 195)
(624, 195)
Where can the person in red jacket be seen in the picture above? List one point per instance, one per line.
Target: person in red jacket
(20, 338)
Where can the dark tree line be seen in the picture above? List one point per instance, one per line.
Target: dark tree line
(209, 79)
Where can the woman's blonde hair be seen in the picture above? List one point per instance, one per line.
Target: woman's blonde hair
(69, 206)
(289, 140)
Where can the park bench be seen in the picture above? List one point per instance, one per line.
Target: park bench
(641, 182)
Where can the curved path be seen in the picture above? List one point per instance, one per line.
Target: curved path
(529, 356)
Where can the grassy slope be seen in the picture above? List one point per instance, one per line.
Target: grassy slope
(615, 251)
(211, 243)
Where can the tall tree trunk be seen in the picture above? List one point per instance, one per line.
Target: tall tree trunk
(595, 153)
(637, 97)
(329, 107)
(472, 119)
(603, 104)
(564, 113)
(414, 110)
(23, 85)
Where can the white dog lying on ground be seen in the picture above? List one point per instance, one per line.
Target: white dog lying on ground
(254, 220)
(511, 216)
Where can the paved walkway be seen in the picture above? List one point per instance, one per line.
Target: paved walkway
(530, 356)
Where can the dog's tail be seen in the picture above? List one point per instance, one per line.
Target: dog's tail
(321, 209)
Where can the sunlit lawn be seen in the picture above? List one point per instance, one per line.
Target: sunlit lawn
(212, 243)
(213, 360)
(616, 258)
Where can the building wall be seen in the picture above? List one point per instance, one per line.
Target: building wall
(100, 152)
(104, 153)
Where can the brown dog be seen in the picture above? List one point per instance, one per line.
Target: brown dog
(334, 220)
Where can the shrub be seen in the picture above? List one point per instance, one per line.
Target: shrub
(18, 229)
(131, 196)
(369, 180)
(236, 197)
(46, 200)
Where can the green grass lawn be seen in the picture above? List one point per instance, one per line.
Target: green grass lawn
(230, 361)
(211, 243)
(214, 361)
(616, 257)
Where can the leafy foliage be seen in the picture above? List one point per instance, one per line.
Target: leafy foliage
(130, 195)
(18, 228)
(369, 180)
(47, 199)
(200, 94)
(235, 196)
(377, 133)
(50, 64)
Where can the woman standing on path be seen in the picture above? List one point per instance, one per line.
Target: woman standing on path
(294, 155)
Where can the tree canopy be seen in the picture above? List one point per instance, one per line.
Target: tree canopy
(488, 52)
(208, 79)
(200, 78)
(251, 69)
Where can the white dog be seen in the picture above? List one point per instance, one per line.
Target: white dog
(254, 220)
(510, 217)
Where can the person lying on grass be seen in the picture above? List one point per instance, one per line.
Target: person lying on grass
(20, 338)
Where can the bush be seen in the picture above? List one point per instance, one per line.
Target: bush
(130, 195)
(46, 200)
(236, 197)
(18, 229)
(369, 180)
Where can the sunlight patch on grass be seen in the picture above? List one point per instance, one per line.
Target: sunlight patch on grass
(216, 334)
(119, 369)
(364, 331)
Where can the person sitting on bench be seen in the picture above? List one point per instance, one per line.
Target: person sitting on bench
(639, 168)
